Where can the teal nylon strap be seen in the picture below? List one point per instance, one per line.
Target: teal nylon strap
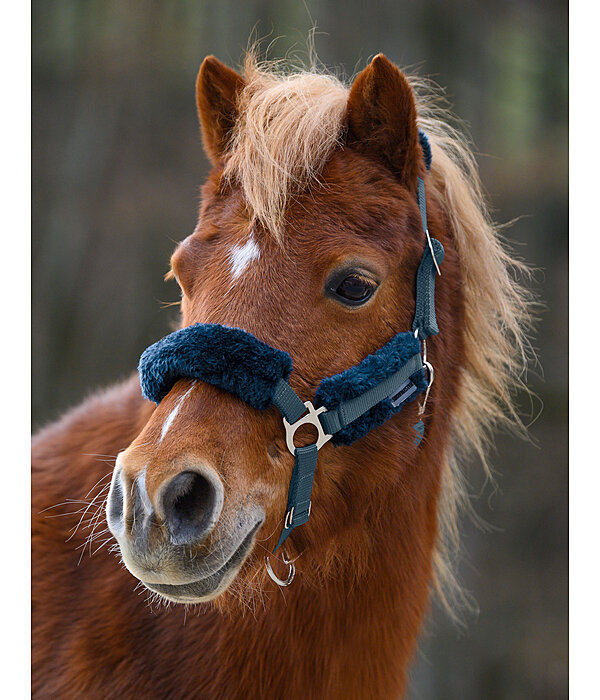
(297, 512)
(421, 202)
(288, 402)
(425, 321)
(350, 410)
(298, 506)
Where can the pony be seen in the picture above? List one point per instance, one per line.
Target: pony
(311, 181)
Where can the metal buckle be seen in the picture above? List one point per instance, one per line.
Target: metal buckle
(289, 516)
(311, 418)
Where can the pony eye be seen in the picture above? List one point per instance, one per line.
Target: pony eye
(351, 285)
(355, 289)
(352, 289)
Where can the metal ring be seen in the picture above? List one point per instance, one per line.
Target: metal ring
(274, 577)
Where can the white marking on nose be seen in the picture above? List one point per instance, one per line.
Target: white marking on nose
(171, 417)
(241, 256)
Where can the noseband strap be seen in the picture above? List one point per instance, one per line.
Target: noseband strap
(347, 405)
(226, 357)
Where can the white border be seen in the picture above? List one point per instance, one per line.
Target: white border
(584, 253)
(15, 402)
(15, 54)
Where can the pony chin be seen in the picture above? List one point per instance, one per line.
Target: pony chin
(230, 595)
(180, 581)
(221, 588)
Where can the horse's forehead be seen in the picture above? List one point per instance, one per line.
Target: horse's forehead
(242, 256)
(343, 210)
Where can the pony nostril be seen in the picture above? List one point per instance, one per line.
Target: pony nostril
(191, 504)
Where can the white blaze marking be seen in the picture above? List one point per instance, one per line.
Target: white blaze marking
(241, 256)
(171, 417)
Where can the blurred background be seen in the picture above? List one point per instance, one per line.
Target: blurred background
(117, 162)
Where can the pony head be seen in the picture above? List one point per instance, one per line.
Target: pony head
(309, 237)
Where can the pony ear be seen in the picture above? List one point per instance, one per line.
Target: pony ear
(217, 90)
(382, 119)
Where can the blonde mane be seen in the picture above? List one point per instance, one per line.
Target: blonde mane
(289, 124)
(498, 320)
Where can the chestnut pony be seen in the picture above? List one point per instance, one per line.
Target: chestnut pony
(311, 182)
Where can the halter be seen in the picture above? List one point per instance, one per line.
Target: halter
(346, 406)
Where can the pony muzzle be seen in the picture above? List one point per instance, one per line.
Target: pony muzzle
(172, 537)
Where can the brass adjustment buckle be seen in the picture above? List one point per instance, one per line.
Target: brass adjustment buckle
(311, 418)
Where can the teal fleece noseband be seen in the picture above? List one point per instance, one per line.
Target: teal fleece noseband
(346, 406)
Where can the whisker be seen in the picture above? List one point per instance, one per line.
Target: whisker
(108, 539)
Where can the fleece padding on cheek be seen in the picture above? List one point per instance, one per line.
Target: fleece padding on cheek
(229, 358)
(373, 370)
